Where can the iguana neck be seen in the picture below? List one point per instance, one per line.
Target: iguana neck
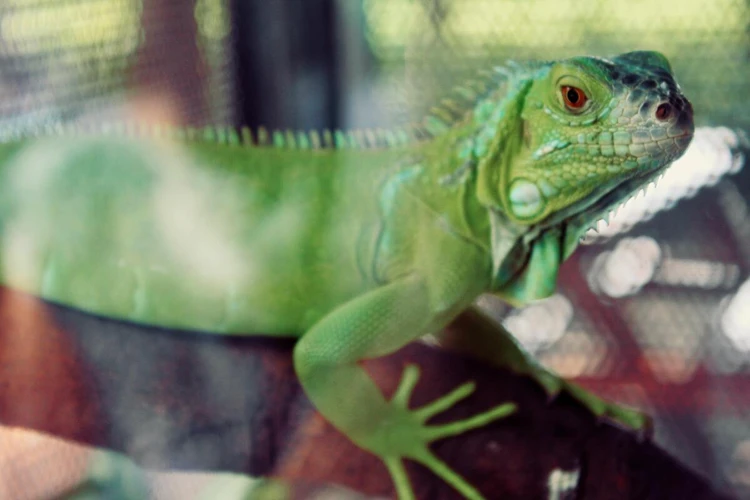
(447, 183)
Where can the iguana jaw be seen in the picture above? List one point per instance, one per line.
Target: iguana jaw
(531, 274)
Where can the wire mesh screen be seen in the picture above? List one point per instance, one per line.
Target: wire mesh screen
(444, 41)
(653, 310)
(101, 60)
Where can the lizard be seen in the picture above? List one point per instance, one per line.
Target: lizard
(354, 243)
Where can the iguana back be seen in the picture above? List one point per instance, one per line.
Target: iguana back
(196, 235)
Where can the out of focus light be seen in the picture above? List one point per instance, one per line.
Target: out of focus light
(31, 27)
(542, 323)
(635, 262)
(741, 464)
(671, 366)
(627, 268)
(735, 320)
(212, 19)
(697, 274)
(577, 354)
(712, 154)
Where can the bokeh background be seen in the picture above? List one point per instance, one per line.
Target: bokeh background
(653, 311)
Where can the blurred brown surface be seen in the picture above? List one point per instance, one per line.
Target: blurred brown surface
(184, 401)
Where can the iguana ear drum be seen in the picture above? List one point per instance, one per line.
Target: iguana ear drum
(526, 199)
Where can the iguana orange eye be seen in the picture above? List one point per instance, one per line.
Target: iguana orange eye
(574, 97)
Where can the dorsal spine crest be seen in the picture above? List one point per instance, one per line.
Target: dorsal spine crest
(451, 110)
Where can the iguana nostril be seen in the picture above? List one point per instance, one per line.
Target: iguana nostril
(663, 111)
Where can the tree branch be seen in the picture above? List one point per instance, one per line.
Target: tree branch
(189, 401)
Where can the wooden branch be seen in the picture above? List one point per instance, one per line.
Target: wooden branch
(200, 402)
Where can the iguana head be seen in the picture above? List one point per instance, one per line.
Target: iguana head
(591, 132)
(589, 125)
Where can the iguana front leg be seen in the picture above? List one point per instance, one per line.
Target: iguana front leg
(327, 363)
(474, 332)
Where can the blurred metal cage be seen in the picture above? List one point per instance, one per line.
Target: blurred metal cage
(654, 310)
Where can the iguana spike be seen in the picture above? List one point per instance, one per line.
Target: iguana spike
(303, 141)
(402, 136)
(370, 138)
(390, 137)
(327, 139)
(221, 135)
(442, 114)
(315, 139)
(233, 137)
(466, 93)
(452, 106)
(361, 139)
(225, 134)
(435, 125)
(352, 140)
(380, 139)
(247, 136)
(209, 134)
(289, 139)
(263, 138)
(57, 129)
(420, 132)
(278, 139)
(339, 139)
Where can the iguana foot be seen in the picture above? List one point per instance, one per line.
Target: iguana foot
(476, 334)
(404, 434)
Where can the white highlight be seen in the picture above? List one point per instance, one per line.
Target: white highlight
(541, 323)
(627, 268)
(561, 482)
(735, 320)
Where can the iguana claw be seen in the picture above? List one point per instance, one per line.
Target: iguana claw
(627, 417)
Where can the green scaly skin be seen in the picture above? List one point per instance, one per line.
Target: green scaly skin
(356, 251)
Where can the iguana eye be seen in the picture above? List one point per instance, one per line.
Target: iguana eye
(574, 97)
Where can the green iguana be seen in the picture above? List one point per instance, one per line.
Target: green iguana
(355, 243)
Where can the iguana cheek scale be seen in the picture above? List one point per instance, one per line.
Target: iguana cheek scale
(355, 243)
